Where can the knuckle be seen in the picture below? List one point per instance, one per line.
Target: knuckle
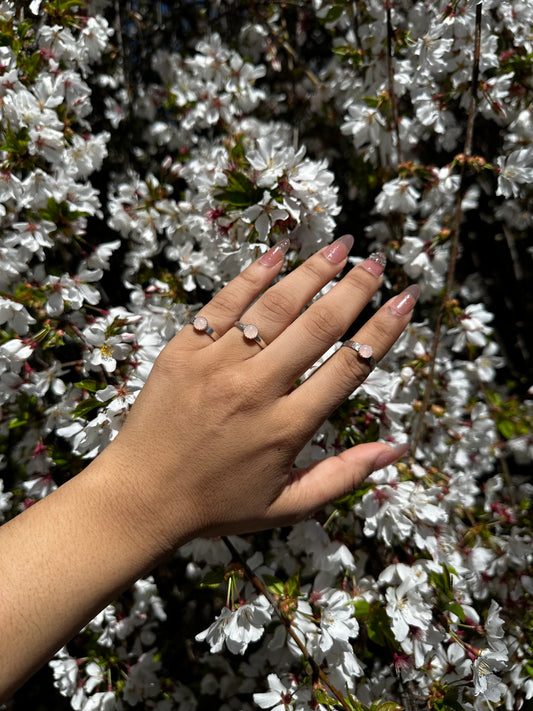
(223, 303)
(249, 280)
(277, 305)
(381, 335)
(362, 290)
(323, 325)
(312, 268)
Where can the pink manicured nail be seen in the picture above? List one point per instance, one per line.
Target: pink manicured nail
(394, 453)
(338, 250)
(405, 302)
(375, 264)
(276, 253)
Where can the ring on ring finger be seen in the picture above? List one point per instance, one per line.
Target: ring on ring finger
(364, 351)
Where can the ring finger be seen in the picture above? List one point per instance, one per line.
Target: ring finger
(338, 377)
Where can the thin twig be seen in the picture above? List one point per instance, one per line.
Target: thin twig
(390, 72)
(262, 589)
(455, 233)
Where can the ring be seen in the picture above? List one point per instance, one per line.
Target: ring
(250, 332)
(364, 351)
(199, 323)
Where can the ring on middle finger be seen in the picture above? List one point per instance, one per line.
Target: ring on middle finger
(250, 332)
(364, 351)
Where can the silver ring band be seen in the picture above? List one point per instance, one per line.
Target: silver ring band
(250, 332)
(200, 325)
(364, 351)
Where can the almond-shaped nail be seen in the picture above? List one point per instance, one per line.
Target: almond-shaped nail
(386, 458)
(375, 263)
(337, 251)
(405, 302)
(276, 253)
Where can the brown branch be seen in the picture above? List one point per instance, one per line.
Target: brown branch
(262, 589)
(390, 73)
(455, 232)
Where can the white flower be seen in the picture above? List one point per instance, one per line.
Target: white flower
(472, 327)
(398, 195)
(65, 669)
(337, 623)
(264, 215)
(486, 682)
(5, 500)
(101, 701)
(516, 170)
(279, 698)
(239, 628)
(106, 350)
(406, 609)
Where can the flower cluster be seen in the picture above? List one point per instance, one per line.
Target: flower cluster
(134, 184)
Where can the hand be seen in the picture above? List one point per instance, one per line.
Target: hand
(211, 441)
(208, 448)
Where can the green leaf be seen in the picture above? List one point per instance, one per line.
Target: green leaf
(86, 406)
(361, 609)
(457, 610)
(18, 422)
(334, 13)
(240, 192)
(378, 627)
(506, 428)
(274, 584)
(389, 706)
(89, 384)
(213, 578)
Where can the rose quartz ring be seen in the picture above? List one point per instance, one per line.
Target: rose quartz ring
(250, 332)
(364, 351)
(199, 323)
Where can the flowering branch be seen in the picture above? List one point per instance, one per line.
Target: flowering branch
(455, 232)
(262, 589)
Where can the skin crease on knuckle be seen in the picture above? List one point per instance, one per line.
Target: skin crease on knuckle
(362, 285)
(277, 306)
(313, 269)
(323, 325)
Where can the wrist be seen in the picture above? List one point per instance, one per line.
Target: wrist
(145, 514)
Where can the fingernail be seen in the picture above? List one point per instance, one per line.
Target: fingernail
(405, 302)
(276, 253)
(375, 263)
(394, 453)
(338, 250)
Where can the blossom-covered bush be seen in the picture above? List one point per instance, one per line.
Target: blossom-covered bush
(150, 152)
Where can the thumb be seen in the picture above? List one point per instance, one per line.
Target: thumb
(335, 477)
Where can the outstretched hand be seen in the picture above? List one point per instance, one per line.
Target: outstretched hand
(208, 448)
(212, 439)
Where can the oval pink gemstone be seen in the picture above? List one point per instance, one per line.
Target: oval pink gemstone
(365, 351)
(250, 331)
(200, 323)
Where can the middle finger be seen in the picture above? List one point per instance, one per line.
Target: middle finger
(280, 305)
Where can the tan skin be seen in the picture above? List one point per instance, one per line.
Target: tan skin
(208, 449)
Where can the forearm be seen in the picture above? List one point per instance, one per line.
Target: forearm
(64, 559)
